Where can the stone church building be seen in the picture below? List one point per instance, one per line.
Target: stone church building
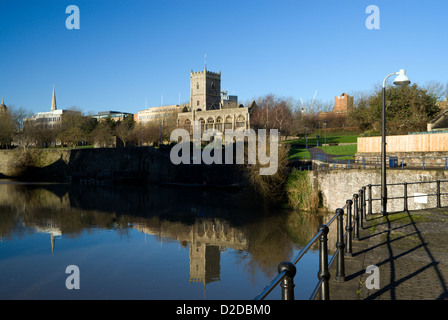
(213, 108)
(210, 106)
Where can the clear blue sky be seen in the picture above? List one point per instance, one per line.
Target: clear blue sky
(128, 51)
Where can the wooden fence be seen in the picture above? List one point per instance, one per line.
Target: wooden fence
(436, 142)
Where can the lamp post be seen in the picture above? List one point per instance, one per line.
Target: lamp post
(306, 137)
(325, 125)
(402, 79)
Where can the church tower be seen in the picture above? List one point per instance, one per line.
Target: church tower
(205, 90)
(3, 107)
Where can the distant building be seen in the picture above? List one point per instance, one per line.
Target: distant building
(51, 118)
(342, 104)
(114, 115)
(215, 109)
(210, 106)
(439, 122)
(228, 101)
(159, 115)
(3, 107)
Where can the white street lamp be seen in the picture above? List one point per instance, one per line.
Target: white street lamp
(401, 80)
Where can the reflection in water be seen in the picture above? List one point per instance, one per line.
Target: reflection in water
(207, 223)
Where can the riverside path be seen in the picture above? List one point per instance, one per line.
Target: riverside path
(410, 250)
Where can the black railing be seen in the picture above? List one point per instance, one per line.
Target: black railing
(328, 161)
(361, 203)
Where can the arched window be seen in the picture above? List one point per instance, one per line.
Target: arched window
(228, 123)
(219, 122)
(202, 121)
(240, 122)
(187, 125)
(210, 123)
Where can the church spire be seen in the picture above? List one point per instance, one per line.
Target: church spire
(53, 101)
(3, 107)
(205, 63)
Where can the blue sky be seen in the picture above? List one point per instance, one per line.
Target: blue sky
(127, 52)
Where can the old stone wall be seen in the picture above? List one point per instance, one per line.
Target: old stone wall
(337, 186)
(145, 164)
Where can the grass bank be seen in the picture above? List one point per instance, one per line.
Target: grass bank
(300, 192)
(337, 144)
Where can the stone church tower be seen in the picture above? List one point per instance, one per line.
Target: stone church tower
(205, 90)
(3, 107)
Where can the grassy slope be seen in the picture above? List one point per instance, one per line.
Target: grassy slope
(302, 153)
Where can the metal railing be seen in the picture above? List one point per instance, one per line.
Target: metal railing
(361, 203)
(327, 161)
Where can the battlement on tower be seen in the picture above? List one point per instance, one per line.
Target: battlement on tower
(211, 73)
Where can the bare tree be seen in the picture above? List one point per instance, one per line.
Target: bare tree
(124, 130)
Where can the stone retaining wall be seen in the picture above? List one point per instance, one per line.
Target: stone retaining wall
(337, 186)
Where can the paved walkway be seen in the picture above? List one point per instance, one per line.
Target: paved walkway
(411, 251)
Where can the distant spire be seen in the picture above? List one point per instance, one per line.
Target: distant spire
(53, 101)
(205, 62)
(3, 107)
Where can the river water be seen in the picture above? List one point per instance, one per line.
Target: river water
(62, 241)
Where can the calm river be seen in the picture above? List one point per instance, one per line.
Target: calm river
(144, 243)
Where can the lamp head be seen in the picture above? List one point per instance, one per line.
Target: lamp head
(402, 79)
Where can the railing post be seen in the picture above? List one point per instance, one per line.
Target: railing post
(364, 201)
(355, 217)
(288, 281)
(340, 268)
(324, 273)
(405, 196)
(349, 228)
(370, 199)
(438, 194)
(361, 195)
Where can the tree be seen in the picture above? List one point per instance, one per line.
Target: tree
(11, 124)
(274, 113)
(73, 128)
(7, 129)
(124, 130)
(147, 133)
(103, 134)
(408, 109)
